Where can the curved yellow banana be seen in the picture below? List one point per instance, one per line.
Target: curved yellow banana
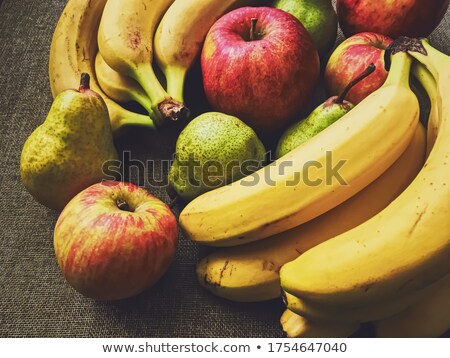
(300, 186)
(429, 84)
(125, 40)
(296, 326)
(404, 248)
(429, 318)
(327, 313)
(119, 87)
(72, 52)
(250, 272)
(180, 35)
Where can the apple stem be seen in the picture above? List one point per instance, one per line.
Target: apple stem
(253, 28)
(367, 72)
(123, 205)
(84, 82)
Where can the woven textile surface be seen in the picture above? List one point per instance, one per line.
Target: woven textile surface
(35, 299)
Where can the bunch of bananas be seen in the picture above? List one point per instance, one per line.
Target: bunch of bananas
(376, 249)
(115, 42)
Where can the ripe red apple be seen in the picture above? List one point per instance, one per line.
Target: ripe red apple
(114, 240)
(350, 59)
(413, 18)
(260, 65)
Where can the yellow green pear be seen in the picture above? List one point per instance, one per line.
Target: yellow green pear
(214, 150)
(70, 150)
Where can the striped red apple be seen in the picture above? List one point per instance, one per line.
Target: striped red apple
(114, 240)
(260, 65)
(412, 18)
(350, 59)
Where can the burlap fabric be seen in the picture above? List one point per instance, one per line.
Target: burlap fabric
(35, 300)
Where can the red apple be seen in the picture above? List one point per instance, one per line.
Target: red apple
(413, 18)
(262, 74)
(114, 240)
(350, 59)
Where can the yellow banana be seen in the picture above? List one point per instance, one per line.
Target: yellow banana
(381, 310)
(429, 318)
(296, 326)
(298, 187)
(119, 87)
(72, 52)
(251, 272)
(429, 84)
(125, 40)
(402, 249)
(180, 35)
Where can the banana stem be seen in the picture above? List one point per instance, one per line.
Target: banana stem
(164, 107)
(400, 69)
(175, 82)
(151, 85)
(145, 102)
(135, 119)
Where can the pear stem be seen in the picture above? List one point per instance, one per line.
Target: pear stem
(84, 82)
(367, 72)
(253, 29)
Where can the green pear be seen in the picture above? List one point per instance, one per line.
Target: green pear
(67, 153)
(320, 118)
(318, 17)
(213, 150)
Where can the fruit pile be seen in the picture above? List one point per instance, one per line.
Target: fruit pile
(349, 224)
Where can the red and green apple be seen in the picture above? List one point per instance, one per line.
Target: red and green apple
(350, 59)
(113, 240)
(413, 18)
(260, 65)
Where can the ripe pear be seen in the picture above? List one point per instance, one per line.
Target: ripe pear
(213, 150)
(319, 119)
(318, 17)
(67, 153)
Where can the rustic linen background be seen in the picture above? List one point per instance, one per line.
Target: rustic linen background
(35, 300)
